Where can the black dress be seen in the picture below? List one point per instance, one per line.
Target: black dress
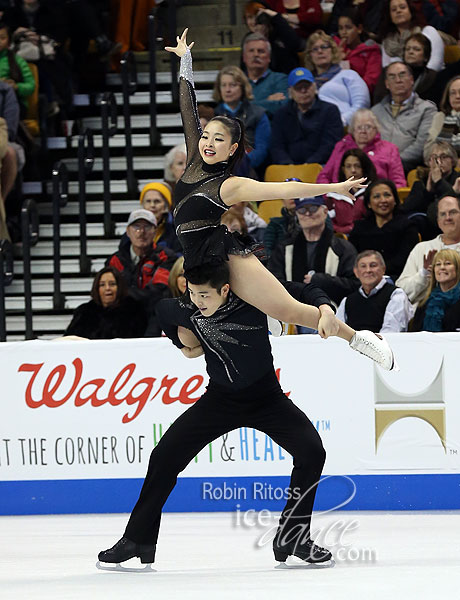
(199, 206)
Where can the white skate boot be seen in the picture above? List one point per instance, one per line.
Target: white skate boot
(375, 347)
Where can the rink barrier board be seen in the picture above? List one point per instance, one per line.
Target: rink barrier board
(353, 492)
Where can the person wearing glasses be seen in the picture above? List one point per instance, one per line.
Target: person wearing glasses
(314, 254)
(404, 117)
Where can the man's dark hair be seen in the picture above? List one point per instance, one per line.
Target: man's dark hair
(216, 275)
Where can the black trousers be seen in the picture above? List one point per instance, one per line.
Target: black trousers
(262, 406)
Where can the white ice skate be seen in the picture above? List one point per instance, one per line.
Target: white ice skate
(375, 347)
(119, 568)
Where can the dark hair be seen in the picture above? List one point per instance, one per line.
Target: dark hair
(216, 275)
(424, 41)
(236, 128)
(445, 102)
(387, 26)
(366, 164)
(15, 71)
(122, 289)
(355, 16)
(398, 62)
(387, 182)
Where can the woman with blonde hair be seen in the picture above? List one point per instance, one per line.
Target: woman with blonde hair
(439, 310)
(176, 280)
(342, 87)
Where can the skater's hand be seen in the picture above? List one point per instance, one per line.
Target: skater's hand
(328, 324)
(182, 46)
(344, 187)
(192, 352)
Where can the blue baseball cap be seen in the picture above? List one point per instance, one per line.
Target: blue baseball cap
(300, 74)
(315, 201)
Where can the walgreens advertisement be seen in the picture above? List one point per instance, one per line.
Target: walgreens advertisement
(79, 420)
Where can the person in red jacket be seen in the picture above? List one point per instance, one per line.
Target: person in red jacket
(303, 15)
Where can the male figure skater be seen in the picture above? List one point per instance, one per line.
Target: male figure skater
(243, 390)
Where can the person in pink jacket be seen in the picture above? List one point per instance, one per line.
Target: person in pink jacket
(364, 134)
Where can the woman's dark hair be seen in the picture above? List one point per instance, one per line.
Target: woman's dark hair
(216, 275)
(15, 71)
(122, 288)
(424, 41)
(366, 164)
(355, 16)
(387, 26)
(236, 128)
(388, 183)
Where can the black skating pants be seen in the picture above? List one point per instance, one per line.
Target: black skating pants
(262, 406)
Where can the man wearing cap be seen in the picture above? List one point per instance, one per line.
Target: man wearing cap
(314, 254)
(305, 129)
(157, 198)
(144, 267)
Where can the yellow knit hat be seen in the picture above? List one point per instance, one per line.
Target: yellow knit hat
(158, 186)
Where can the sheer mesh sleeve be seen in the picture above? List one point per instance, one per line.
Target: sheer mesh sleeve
(188, 107)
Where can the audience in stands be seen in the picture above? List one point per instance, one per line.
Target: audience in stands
(234, 221)
(400, 20)
(417, 52)
(14, 70)
(405, 119)
(362, 53)
(269, 87)
(284, 41)
(442, 14)
(364, 133)
(302, 15)
(175, 163)
(306, 128)
(414, 279)
(111, 312)
(438, 181)
(131, 29)
(315, 254)
(344, 211)
(446, 123)
(157, 197)
(280, 228)
(342, 87)
(439, 310)
(176, 280)
(370, 12)
(378, 305)
(384, 228)
(255, 225)
(233, 93)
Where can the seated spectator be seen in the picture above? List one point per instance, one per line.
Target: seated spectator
(446, 123)
(362, 53)
(281, 228)
(303, 16)
(384, 228)
(370, 12)
(414, 279)
(315, 254)
(378, 305)
(255, 225)
(14, 70)
(439, 310)
(284, 41)
(176, 280)
(157, 197)
(144, 267)
(233, 93)
(344, 212)
(342, 87)
(404, 117)
(440, 180)
(234, 221)
(399, 21)
(205, 113)
(417, 52)
(175, 163)
(269, 87)
(305, 129)
(364, 133)
(111, 312)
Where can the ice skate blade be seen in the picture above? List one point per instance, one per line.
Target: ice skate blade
(119, 568)
(293, 562)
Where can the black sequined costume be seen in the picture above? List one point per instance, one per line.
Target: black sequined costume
(199, 206)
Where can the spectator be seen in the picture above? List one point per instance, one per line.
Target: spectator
(205, 113)
(440, 181)
(233, 93)
(378, 305)
(384, 229)
(439, 310)
(175, 163)
(399, 22)
(14, 158)
(144, 267)
(14, 70)
(269, 87)
(370, 11)
(362, 53)
(284, 41)
(234, 221)
(314, 254)
(157, 197)
(414, 279)
(176, 280)
(364, 133)
(342, 87)
(306, 128)
(417, 52)
(446, 123)
(303, 15)
(344, 212)
(255, 225)
(404, 117)
(280, 228)
(111, 312)
(442, 14)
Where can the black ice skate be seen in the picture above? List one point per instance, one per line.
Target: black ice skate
(309, 552)
(123, 550)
